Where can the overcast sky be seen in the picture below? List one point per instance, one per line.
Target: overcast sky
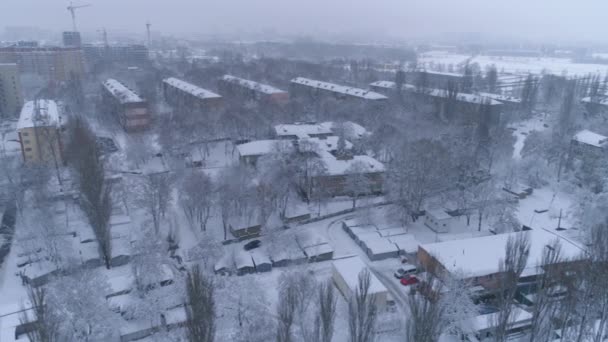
(553, 19)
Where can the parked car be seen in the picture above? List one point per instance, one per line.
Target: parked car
(405, 270)
(409, 280)
(252, 245)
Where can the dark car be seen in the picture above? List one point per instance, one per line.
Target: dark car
(252, 245)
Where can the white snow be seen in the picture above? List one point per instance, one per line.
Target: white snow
(340, 89)
(39, 113)
(303, 130)
(263, 147)
(336, 166)
(480, 256)
(264, 88)
(190, 88)
(591, 138)
(350, 268)
(121, 92)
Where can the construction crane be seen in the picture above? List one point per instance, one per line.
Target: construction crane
(148, 25)
(73, 9)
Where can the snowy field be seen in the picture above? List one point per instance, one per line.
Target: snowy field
(506, 64)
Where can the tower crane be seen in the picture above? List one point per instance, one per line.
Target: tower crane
(72, 9)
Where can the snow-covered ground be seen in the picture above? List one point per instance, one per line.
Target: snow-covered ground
(522, 129)
(507, 64)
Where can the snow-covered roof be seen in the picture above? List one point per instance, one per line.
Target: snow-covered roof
(488, 321)
(243, 259)
(336, 166)
(406, 243)
(310, 238)
(327, 144)
(317, 250)
(303, 130)
(392, 232)
(591, 138)
(190, 88)
(39, 113)
(121, 92)
(340, 89)
(464, 97)
(263, 88)
(380, 246)
(260, 257)
(262, 147)
(350, 268)
(500, 97)
(480, 256)
(438, 214)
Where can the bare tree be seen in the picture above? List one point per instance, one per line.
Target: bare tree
(327, 312)
(200, 308)
(286, 312)
(197, 198)
(362, 311)
(42, 325)
(510, 268)
(358, 182)
(155, 196)
(426, 317)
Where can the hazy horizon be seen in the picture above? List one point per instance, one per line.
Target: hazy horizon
(555, 21)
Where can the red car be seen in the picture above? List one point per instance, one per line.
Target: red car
(409, 280)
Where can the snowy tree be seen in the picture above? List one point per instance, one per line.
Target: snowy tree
(426, 317)
(362, 311)
(150, 254)
(200, 307)
(197, 198)
(155, 196)
(457, 302)
(358, 182)
(44, 326)
(79, 299)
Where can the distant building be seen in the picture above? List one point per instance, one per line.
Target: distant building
(11, 97)
(433, 79)
(589, 148)
(182, 94)
(459, 107)
(129, 108)
(57, 64)
(253, 90)
(39, 130)
(301, 86)
(72, 39)
(127, 54)
(596, 105)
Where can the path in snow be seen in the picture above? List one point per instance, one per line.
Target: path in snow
(522, 129)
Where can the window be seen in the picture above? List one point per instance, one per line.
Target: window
(25, 134)
(28, 149)
(26, 141)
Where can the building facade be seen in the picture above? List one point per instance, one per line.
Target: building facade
(127, 54)
(57, 64)
(128, 107)
(182, 94)
(305, 87)
(39, 130)
(253, 90)
(11, 97)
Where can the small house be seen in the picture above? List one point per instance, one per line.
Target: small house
(243, 263)
(261, 261)
(438, 220)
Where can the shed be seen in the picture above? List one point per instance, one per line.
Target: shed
(287, 255)
(345, 274)
(246, 226)
(310, 238)
(380, 249)
(354, 230)
(438, 220)
(224, 265)
(296, 213)
(362, 237)
(392, 232)
(244, 263)
(261, 261)
(121, 252)
(319, 253)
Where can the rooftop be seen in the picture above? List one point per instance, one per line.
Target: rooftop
(39, 113)
(190, 88)
(591, 138)
(480, 256)
(262, 147)
(121, 92)
(303, 130)
(336, 166)
(264, 88)
(350, 268)
(356, 92)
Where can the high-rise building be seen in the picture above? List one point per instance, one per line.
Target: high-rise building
(11, 97)
(128, 54)
(54, 63)
(72, 39)
(39, 130)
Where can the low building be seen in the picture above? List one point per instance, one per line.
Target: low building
(243, 263)
(131, 111)
(450, 106)
(185, 95)
(11, 96)
(245, 226)
(39, 129)
(345, 274)
(483, 327)
(596, 105)
(250, 152)
(318, 253)
(302, 130)
(477, 259)
(253, 90)
(586, 142)
(261, 261)
(305, 87)
(439, 221)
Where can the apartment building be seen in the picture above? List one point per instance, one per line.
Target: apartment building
(57, 64)
(182, 94)
(39, 130)
(131, 111)
(11, 97)
(253, 90)
(301, 86)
